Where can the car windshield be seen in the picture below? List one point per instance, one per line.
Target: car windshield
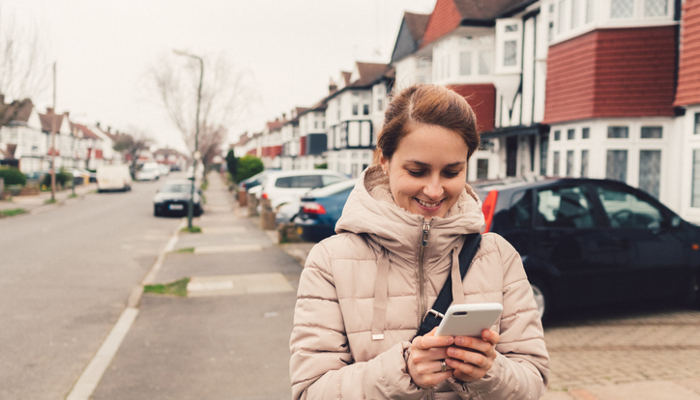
(177, 188)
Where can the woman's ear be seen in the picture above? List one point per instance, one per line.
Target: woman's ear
(383, 162)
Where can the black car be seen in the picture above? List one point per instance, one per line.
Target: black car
(589, 242)
(173, 199)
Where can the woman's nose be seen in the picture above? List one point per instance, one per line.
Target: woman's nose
(434, 188)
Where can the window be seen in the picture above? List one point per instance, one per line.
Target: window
(621, 8)
(655, 8)
(618, 132)
(569, 163)
(652, 132)
(627, 211)
(590, 11)
(465, 63)
(570, 134)
(544, 145)
(380, 104)
(508, 46)
(557, 135)
(520, 211)
(584, 163)
(560, 20)
(510, 53)
(555, 162)
(695, 194)
(616, 167)
(650, 171)
(585, 133)
(696, 127)
(482, 168)
(565, 207)
(575, 13)
(365, 109)
(485, 62)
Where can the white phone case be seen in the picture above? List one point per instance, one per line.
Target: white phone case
(469, 319)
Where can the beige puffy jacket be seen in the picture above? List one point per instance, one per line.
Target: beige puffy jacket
(363, 293)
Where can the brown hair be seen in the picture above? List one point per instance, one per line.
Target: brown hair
(429, 105)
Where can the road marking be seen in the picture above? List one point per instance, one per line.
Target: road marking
(238, 248)
(92, 375)
(231, 285)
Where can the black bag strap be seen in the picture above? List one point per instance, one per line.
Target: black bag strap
(444, 299)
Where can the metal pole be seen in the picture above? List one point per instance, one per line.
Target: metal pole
(53, 139)
(190, 206)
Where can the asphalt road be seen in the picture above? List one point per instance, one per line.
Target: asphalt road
(65, 276)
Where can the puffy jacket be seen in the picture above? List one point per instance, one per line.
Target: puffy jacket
(363, 293)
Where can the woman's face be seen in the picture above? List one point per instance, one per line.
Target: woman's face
(428, 170)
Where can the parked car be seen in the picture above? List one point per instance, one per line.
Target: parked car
(113, 177)
(173, 199)
(588, 242)
(163, 169)
(281, 187)
(253, 181)
(320, 209)
(148, 171)
(80, 175)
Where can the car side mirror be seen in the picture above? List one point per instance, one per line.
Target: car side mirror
(676, 221)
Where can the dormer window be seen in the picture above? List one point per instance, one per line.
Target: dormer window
(509, 45)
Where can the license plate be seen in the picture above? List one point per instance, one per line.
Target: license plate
(300, 230)
(176, 207)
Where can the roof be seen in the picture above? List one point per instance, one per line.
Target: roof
(275, 125)
(87, 133)
(46, 121)
(369, 73)
(416, 24)
(17, 111)
(167, 152)
(448, 15)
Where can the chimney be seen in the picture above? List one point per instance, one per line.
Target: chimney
(49, 110)
(332, 87)
(97, 124)
(284, 116)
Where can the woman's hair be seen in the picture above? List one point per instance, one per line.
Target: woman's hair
(429, 105)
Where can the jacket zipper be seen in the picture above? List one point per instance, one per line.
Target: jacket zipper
(421, 283)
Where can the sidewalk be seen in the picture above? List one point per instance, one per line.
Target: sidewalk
(37, 203)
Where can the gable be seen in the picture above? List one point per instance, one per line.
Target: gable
(444, 19)
(405, 45)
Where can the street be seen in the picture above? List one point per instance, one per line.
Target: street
(65, 276)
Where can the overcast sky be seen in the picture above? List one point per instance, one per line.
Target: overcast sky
(103, 50)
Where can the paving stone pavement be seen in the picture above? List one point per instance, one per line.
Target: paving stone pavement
(657, 346)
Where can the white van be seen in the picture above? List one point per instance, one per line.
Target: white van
(113, 177)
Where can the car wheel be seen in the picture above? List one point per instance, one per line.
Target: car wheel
(155, 211)
(542, 298)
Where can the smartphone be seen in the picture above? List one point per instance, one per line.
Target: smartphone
(469, 319)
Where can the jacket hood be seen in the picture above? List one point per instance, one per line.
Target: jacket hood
(370, 209)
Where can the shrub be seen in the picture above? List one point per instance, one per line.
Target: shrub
(62, 178)
(13, 176)
(248, 166)
(321, 166)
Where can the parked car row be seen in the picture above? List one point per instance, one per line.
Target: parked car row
(583, 242)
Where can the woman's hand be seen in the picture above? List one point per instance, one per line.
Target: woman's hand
(471, 358)
(425, 364)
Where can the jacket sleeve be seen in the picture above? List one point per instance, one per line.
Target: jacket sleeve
(521, 368)
(321, 366)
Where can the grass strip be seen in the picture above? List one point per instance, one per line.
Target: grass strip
(186, 250)
(12, 212)
(194, 229)
(177, 288)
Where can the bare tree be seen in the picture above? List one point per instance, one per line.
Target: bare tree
(210, 146)
(132, 145)
(24, 72)
(227, 96)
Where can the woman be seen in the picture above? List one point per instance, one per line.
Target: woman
(364, 292)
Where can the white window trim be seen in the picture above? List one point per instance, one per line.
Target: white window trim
(501, 37)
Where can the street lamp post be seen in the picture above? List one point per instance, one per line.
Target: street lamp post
(195, 152)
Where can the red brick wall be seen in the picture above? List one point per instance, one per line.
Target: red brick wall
(482, 98)
(275, 151)
(689, 70)
(302, 145)
(612, 73)
(444, 19)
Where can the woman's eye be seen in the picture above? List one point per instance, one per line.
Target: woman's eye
(415, 172)
(451, 174)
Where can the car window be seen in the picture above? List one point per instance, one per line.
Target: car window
(626, 210)
(330, 179)
(565, 207)
(302, 181)
(520, 211)
(284, 182)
